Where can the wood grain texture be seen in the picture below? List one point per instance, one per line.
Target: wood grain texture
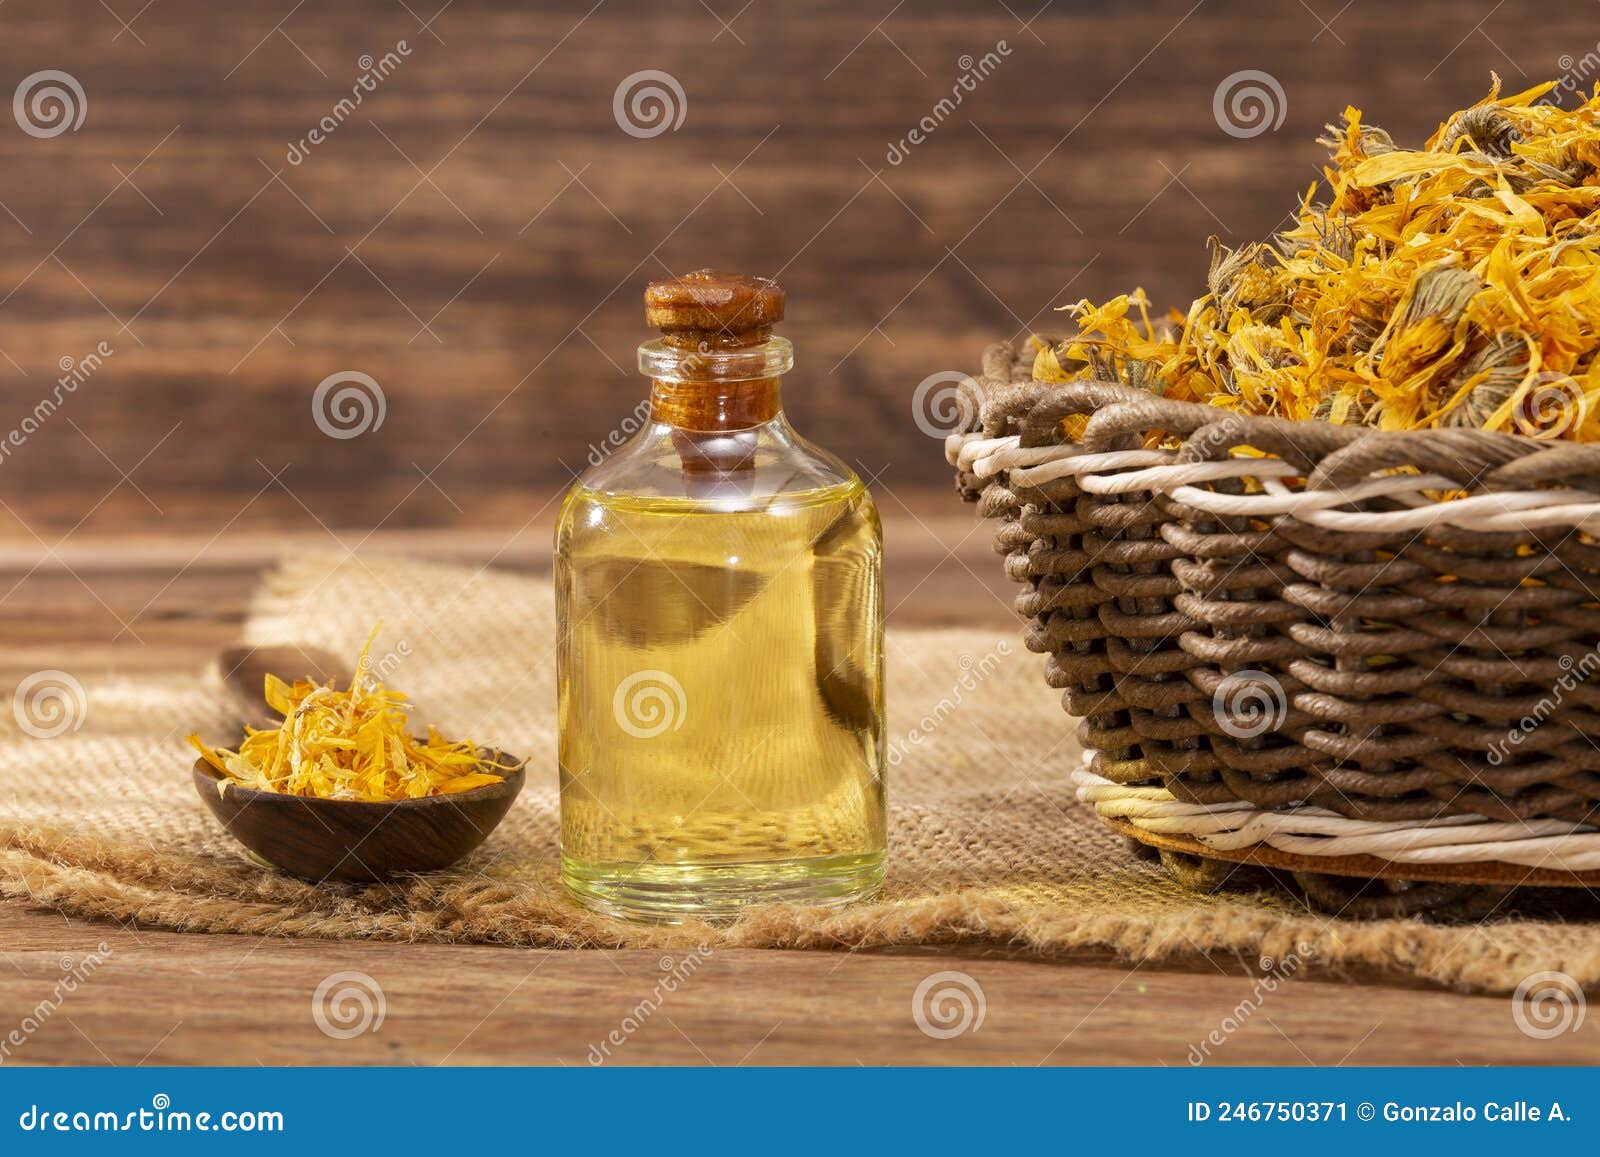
(156, 603)
(169, 999)
(475, 235)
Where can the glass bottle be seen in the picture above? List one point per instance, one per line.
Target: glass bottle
(720, 665)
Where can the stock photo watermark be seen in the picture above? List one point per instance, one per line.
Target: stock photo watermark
(74, 373)
(974, 71)
(373, 73)
(1577, 77)
(49, 103)
(1249, 703)
(381, 669)
(973, 674)
(348, 404)
(158, 1117)
(649, 703)
(620, 433)
(675, 973)
(75, 974)
(948, 1004)
(348, 1004)
(1555, 403)
(1205, 444)
(1274, 973)
(1249, 103)
(1574, 674)
(946, 403)
(1547, 1005)
(50, 703)
(648, 103)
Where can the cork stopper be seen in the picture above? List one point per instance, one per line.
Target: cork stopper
(711, 309)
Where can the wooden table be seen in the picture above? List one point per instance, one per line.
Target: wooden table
(167, 998)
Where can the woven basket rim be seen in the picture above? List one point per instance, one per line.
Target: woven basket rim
(1332, 455)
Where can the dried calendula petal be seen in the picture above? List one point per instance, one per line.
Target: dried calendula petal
(352, 745)
(1453, 285)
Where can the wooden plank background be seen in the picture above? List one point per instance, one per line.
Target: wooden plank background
(475, 235)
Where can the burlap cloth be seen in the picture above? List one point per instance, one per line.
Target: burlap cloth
(988, 845)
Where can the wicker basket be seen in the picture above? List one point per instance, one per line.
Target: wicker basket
(1315, 626)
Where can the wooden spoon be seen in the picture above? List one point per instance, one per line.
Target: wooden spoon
(335, 839)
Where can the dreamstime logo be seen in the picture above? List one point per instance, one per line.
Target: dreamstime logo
(620, 434)
(675, 973)
(49, 703)
(373, 73)
(945, 403)
(1274, 973)
(1547, 1004)
(1209, 442)
(974, 71)
(973, 673)
(1249, 703)
(1577, 72)
(74, 373)
(1574, 673)
(75, 974)
(348, 404)
(1249, 103)
(381, 670)
(49, 103)
(648, 103)
(347, 1004)
(1554, 405)
(649, 703)
(947, 1004)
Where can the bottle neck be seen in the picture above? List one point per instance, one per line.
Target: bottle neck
(710, 388)
(712, 407)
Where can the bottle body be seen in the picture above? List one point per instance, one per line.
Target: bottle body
(720, 676)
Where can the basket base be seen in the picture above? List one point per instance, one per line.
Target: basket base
(1364, 867)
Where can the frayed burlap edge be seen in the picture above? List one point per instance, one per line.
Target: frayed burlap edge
(85, 877)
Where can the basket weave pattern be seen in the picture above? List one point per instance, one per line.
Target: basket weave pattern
(1428, 657)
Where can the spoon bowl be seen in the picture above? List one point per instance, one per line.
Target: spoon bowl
(353, 840)
(337, 839)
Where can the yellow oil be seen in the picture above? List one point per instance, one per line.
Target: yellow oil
(721, 701)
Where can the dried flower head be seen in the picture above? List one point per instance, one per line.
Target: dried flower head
(1440, 286)
(352, 745)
